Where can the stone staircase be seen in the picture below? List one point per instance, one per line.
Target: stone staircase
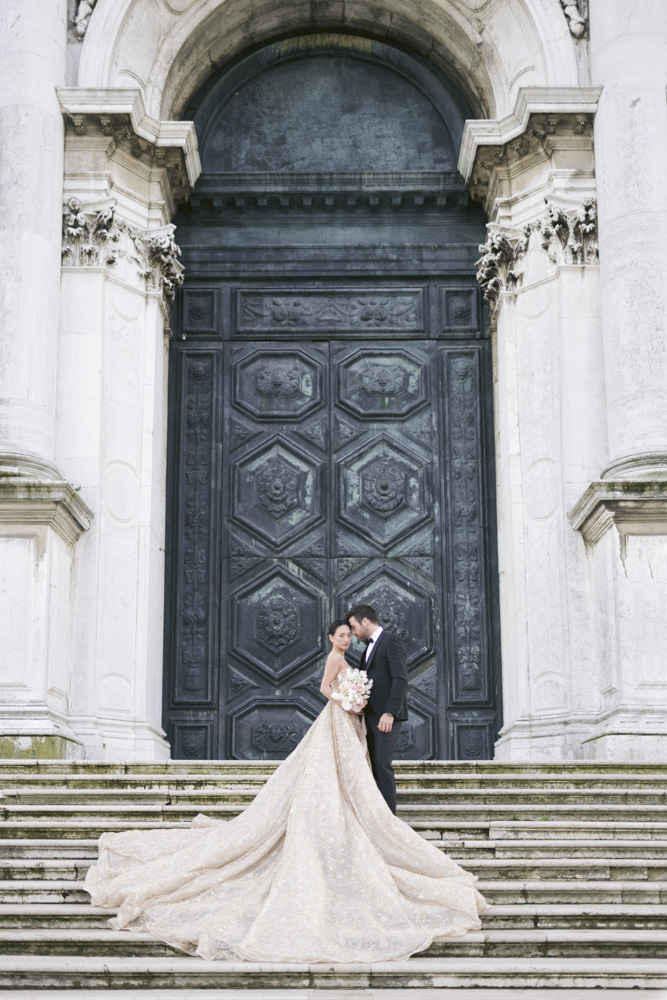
(573, 858)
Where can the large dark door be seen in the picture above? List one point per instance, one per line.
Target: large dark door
(330, 441)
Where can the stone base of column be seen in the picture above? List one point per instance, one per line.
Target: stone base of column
(40, 521)
(36, 732)
(624, 737)
(543, 740)
(121, 740)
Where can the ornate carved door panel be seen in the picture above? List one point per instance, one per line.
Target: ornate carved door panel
(312, 475)
(330, 426)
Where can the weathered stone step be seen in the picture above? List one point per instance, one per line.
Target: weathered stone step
(418, 813)
(46, 859)
(425, 973)
(48, 849)
(574, 892)
(510, 916)
(433, 829)
(19, 766)
(404, 780)
(635, 869)
(241, 794)
(522, 943)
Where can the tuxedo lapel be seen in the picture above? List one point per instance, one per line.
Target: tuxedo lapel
(369, 661)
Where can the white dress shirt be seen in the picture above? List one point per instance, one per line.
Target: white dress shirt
(371, 642)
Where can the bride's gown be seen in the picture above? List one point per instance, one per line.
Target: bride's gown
(317, 869)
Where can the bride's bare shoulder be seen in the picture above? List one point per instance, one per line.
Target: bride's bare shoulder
(335, 662)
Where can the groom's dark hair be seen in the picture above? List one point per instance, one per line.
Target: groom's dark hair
(361, 611)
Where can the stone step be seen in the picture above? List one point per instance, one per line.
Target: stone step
(241, 794)
(78, 972)
(507, 891)
(53, 858)
(30, 814)
(521, 943)
(48, 766)
(625, 869)
(502, 916)
(405, 781)
(433, 829)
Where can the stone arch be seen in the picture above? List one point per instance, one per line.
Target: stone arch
(488, 48)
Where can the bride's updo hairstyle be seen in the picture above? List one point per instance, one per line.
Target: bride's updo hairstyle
(336, 624)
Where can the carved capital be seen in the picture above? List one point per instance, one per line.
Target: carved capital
(575, 12)
(93, 236)
(566, 236)
(496, 267)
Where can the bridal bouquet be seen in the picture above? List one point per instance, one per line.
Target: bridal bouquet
(354, 689)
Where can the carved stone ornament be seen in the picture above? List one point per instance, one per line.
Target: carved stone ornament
(277, 623)
(542, 133)
(575, 13)
(95, 237)
(84, 11)
(496, 266)
(567, 237)
(278, 488)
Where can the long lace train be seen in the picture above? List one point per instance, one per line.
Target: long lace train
(317, 869)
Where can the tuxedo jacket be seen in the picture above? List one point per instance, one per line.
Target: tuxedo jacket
(388, 669)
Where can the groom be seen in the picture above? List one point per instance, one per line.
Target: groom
(385, 663)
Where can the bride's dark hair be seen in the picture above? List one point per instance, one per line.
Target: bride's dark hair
(336, 623)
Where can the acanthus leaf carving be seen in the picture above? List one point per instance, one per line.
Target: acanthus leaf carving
(496, 266)
(567, 237)
(93, 236)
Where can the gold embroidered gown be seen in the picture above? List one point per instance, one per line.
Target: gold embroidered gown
(317, 869)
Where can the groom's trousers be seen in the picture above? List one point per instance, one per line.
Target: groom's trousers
(381, 751)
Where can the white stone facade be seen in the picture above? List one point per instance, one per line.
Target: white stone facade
(568, 154)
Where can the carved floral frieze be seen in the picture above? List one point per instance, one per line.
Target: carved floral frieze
(567, 237)
(97, 237)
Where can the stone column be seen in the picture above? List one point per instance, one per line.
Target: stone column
(622, 514)
(32, 66)
(41, 516)
(534, 173)
(124, 173)
(628, 59)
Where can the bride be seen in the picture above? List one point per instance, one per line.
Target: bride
(317, 868)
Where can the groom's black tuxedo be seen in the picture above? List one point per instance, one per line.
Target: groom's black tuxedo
(388, 669)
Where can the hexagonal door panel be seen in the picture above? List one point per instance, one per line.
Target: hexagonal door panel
(385, 383)
(403, 607)
(278, 384)
(384, 491)
(269, 730)
(277, 492)
(277, 624)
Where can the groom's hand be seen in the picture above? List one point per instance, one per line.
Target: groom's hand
(385, 723)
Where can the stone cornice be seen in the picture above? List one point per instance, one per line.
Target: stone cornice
(632, 506)
(543, 118)
(56, 504)
(120, 116)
